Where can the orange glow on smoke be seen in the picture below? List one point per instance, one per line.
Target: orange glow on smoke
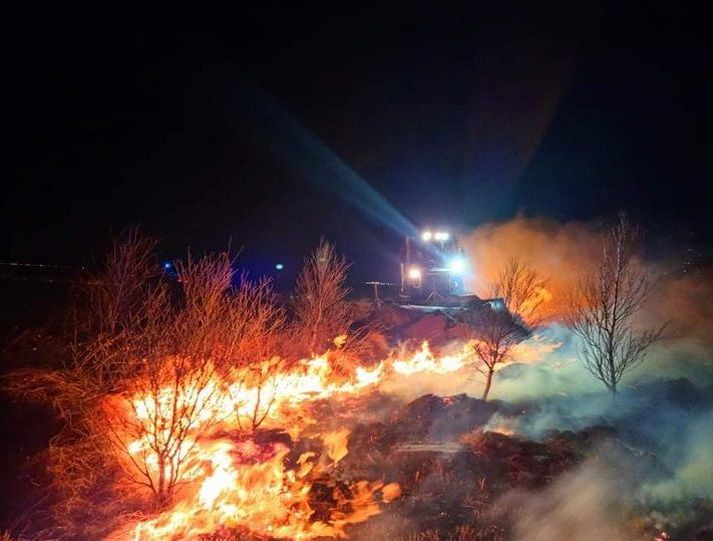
(559, 253)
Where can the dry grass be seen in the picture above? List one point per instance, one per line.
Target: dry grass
(322, 311)
(134, 333)
(460, 533)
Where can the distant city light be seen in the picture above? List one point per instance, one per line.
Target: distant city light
(279, 266)
(167, 265)
(414, 273)
(426, 236)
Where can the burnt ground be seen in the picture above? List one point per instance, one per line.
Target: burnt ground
(458, 479)
(456, 476)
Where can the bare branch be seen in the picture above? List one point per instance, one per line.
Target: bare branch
(523, 291)
(602, 306)
(321, 309)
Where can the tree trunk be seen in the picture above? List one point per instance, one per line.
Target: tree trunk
(488, 383)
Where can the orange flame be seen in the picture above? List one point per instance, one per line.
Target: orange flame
(229, 481)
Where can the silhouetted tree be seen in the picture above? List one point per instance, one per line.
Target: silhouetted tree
(497, 329)
(603, 304)
(322, 311)
(523, 291)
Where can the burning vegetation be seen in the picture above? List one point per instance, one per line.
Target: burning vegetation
(209, 408)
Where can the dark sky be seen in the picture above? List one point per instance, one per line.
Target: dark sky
(273, 126)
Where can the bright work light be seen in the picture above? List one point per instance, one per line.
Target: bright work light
(426, 236)
(456, 265)
(414, 273)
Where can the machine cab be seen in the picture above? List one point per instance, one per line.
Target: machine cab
(432, 265)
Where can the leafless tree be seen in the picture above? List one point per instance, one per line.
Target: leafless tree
(177, 395)
(260, 381)
(110, 305)
(109, 308)
(603, 304)
(523, 291)
(259, 321)
(260, 324)
(172, 387)
(321, 309)
(495, 334)
(141, 341)
(497, 329)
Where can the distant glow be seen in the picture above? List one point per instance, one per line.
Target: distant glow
(426, 236)
(456, 265)
(414, 273)
(441, 235)
(279, 266)
(167, 265)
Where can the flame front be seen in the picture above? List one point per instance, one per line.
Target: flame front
(225, 478)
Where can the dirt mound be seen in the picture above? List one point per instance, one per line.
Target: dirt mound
(442, 419)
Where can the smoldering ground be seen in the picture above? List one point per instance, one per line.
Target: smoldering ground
(644, 462)
(645, 457)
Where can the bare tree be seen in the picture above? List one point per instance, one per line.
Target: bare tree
(259, 321)
(108, 311)
(144, 381)
(321, 309)
(110, 305)
(173, 389)
(496, 330)
(262, 381)
(497, 335)
(171, 407)
(179, 392)
(523, 291)
(603, 304)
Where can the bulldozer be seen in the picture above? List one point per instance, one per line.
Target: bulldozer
(432, 266)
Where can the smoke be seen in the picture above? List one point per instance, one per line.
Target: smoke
(655, 468)
(469, 380)
(650, 475)
(690, 459)
(685, 302)
(410, 387)
(583, 504)
(564, 252)
(547, 365)
(558, 252)
(663, 416)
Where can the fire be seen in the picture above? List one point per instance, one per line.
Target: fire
(425, 361)
(248, 486)
(200, 440)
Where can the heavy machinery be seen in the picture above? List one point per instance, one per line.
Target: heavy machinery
(432, 266)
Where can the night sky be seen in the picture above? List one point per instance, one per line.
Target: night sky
(272, 127)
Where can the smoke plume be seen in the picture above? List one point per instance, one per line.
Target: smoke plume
(558, 252)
